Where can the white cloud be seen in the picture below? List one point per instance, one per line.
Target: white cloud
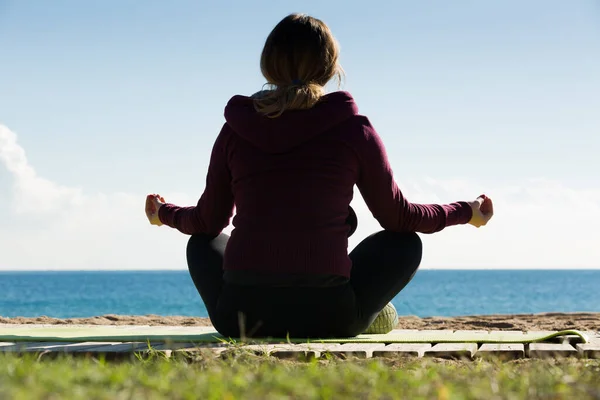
(537, 224)
(58, 227)
(32, 194)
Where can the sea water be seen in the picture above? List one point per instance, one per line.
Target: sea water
(430, 293)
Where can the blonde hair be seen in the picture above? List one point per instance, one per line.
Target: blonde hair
(299, 58)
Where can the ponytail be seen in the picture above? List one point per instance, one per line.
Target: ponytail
(296, 96)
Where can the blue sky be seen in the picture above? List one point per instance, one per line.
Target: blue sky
(106, 101)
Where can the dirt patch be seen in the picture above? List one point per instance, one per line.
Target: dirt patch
(521, 322)
(111, 319)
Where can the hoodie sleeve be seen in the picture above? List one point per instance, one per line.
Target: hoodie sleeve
(214, 209)
(385, 200)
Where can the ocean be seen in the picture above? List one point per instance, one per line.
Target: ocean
(430, 293)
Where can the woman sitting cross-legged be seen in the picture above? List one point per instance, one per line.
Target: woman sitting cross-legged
(287, 159)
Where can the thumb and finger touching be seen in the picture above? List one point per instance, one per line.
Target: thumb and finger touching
(153, 203)
(483, 210)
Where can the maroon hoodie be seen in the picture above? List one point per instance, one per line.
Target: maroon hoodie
(291, 179)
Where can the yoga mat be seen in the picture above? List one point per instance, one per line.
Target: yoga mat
(73, 333)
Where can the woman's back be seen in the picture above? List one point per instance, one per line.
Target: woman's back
(292, 180)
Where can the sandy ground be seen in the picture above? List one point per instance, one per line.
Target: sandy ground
(545, 321)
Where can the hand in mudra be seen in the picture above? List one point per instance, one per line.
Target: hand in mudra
(153, 203)
(483, 210)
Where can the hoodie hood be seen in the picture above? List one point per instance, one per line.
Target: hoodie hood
(292, 128)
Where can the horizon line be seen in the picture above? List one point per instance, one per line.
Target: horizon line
(420, 269)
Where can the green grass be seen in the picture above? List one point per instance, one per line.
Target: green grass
(245, 376)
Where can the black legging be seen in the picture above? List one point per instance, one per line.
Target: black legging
(382, 265)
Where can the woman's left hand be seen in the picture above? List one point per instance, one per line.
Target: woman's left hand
(153, 203)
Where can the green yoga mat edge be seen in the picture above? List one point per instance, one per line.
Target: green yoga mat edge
(215, 337)
(426, 337)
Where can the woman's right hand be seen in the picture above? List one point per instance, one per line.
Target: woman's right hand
(483, 210)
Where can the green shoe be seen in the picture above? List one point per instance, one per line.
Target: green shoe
(385, 321)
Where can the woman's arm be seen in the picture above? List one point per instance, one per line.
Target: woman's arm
(214, 209)
(385, 200)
